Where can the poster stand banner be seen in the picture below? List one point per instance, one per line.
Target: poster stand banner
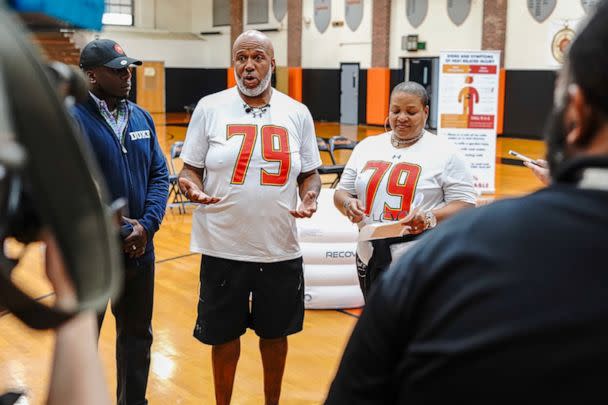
(468, 107)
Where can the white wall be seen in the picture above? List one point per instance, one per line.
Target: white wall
(216, 47)
(167, 30)
(437, 30)
(528, 43)
(336, 44)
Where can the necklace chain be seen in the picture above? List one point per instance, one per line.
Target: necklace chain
(404, 142)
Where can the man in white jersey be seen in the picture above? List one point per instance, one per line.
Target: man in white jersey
(249, 150)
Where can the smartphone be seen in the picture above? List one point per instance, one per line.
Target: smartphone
(522, 157)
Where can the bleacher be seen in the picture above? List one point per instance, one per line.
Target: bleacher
(57, 45)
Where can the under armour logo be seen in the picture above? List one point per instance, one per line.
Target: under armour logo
(396, 156)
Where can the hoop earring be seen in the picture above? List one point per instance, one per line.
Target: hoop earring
(385, 121)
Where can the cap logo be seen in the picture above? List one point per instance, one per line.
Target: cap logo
(123, 62)
(118, 49)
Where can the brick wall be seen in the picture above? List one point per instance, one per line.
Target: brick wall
(236, 22)
(381, 29)
(494, 26)
(294, 33)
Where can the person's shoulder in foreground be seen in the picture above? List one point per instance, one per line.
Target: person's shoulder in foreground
(498, 302)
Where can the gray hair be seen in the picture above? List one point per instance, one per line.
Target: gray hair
(414, 89)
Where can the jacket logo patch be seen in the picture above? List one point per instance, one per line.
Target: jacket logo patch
(139, 135)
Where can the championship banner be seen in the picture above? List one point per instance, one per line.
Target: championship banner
(467, 109)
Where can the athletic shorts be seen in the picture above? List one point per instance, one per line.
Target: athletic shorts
(225, 312)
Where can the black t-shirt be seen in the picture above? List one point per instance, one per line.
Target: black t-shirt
(505, 303)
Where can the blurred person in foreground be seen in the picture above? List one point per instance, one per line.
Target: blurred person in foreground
(507, 302)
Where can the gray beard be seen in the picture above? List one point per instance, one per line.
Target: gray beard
(257, 90)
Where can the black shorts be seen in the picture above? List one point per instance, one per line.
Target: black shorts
(224, 311)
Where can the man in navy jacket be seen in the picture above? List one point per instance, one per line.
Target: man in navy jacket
(124, 141)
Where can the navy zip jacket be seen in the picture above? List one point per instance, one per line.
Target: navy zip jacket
(135, 170)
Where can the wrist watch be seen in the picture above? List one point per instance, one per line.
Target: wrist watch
(430, 220)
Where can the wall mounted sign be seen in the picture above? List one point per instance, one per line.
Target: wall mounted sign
(279, 8)
(468, 109)
(589, 5)
(458, 10)
(541, 9)
(322, 14)
(257, 11)
(416, 10)
(353, 13)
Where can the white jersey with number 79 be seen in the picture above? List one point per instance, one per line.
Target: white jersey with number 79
(251, 160)
(386, 179)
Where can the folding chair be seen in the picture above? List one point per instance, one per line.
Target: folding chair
(326, 156)
(174, 191)
(340, 143)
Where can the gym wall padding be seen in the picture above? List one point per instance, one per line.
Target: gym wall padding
(187, 85)
(362, 96)
(230, 79)
(378, 90)
(133, 94)
(528, 102)
(295, 83)
(321, 93)
(282, 78)
(396, 78)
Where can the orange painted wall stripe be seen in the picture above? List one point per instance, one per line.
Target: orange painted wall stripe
(501, 101)
(378, 90)
(230, 77)
(295, 83)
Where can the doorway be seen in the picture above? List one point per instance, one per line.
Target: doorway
(150, 79)
(425, 71)
(349, 93)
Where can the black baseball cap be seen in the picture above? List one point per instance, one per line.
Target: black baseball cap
(105, 52)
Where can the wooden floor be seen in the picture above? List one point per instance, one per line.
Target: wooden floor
(180, 371)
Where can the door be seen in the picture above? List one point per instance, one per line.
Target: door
(349, 93)
(151, 86)
(425, 71)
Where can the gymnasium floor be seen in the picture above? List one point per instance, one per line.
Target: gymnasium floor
(181, 371)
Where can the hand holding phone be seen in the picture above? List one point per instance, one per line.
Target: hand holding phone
(539, 167)
(522, 157)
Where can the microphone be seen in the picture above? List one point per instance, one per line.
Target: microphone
(257, 111)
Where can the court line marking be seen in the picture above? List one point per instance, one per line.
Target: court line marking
(176, 257)
(50, 294)
(347, 313)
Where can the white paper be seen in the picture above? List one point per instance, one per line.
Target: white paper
(383, 230)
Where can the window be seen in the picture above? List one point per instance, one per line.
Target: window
(257, 11)
(221, 13)
(118, 12)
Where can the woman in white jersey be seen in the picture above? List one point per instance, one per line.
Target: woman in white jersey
(385, 173)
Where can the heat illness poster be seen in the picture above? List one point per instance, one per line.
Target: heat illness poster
(468, 105)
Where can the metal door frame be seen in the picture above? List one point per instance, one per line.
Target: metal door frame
(405, 69)
(340, 88)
